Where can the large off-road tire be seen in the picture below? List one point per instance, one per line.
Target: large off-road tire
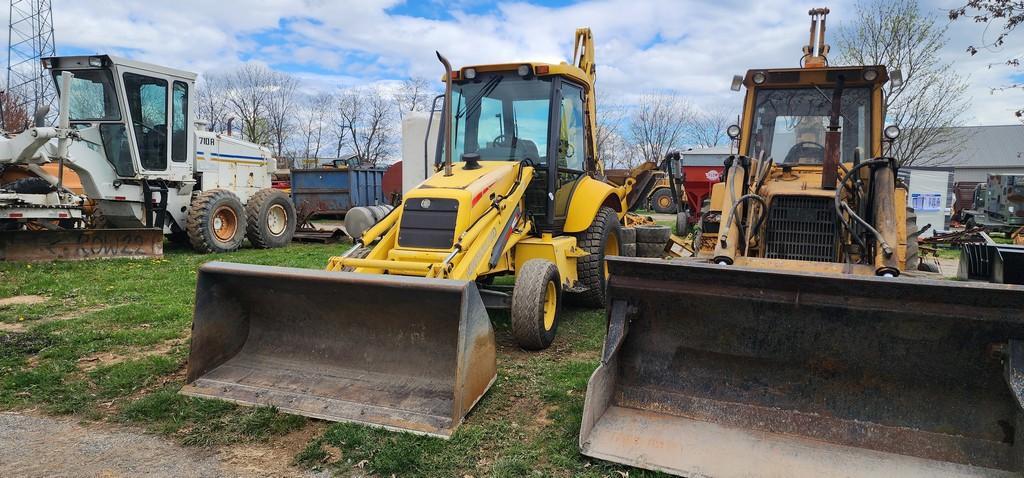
(601, 239)
(536, 300)
(649, 249)
(682, 223)
(216, 222)
(627, 235)
(662, 202)
(628, 250)
(270, 219)
(653, 234)
(29, 186)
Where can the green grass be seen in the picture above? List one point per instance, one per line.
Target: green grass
(110, 344)
(110, 330)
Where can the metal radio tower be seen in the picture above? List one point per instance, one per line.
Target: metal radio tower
(29, 39)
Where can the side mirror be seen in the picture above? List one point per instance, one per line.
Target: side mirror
(737, 82)
(896, 78)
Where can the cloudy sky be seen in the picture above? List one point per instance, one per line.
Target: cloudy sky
(693, 47)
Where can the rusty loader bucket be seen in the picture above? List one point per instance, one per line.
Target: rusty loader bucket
(396, 352)
(724, 371)
(81, 244)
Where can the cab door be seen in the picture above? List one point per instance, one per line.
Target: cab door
(568, 148)
(148, 109)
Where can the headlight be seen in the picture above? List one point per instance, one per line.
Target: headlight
(469, 73)
(733, 131)
(523, 70)
(47, 63)
(891, 132)
(759, 78)
(870, 74)
(95, 61)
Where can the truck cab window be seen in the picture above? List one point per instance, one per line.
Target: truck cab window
(147, 108)
(179, 122)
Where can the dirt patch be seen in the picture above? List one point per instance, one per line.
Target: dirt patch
(22, 325)
(102, 359)
(22, 300)
(45, 447)
(273, 458)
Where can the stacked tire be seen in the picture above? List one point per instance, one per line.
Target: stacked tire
(628, 236)
(218, 222)
(651, 240)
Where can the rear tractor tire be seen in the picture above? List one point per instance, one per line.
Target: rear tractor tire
(536, 300)
(603, 238)
(661, 201)
(270, 219)
(216, 222)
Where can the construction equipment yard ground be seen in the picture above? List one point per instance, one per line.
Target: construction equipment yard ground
(92, 355)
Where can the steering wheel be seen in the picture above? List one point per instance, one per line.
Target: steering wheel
(154, 129)
(500, 140)
(802, 149)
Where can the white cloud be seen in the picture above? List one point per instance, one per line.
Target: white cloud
(689, 46)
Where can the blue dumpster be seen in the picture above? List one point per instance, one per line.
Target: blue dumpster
(333, 191)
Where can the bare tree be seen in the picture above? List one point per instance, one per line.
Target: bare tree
(15, 115)
(415, 94)
(314, 121)
(931, 100)
(212, 102)
(658, 124)
(248, 92)
(1010, 13)
(280, 110)
(707, 128)
(366, 119)
(612, 148)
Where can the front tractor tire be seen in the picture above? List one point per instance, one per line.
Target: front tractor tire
(601, 239)
(536, 300)
(270, 219)
(216, 222)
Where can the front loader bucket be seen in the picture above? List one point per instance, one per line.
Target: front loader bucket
(397, 352)
(727, 371)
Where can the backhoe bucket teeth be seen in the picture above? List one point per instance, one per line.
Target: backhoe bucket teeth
(724, 371)
(401, 353)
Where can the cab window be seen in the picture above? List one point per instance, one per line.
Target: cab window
(147, 107)
(179, 122)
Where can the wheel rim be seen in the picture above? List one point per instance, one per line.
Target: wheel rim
(664, 201)
(225, 223)
(550, 305)
(611, 248)
(277, 219)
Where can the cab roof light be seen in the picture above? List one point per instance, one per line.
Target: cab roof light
(542, 70)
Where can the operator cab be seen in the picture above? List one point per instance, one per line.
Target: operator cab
(141, 113)
(790, 112)
(528, 114)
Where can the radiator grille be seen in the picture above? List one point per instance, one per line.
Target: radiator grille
(801, 228)
(428, 223)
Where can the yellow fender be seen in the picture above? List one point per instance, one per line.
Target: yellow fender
(590, 195)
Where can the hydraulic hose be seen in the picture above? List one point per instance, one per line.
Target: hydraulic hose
(842, 207)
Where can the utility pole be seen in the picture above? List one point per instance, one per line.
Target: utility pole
(29, 40)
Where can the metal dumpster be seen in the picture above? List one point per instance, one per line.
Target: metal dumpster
(330, 191)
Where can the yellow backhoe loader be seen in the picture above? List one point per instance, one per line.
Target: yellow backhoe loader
(395, 333)
(797, 342)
